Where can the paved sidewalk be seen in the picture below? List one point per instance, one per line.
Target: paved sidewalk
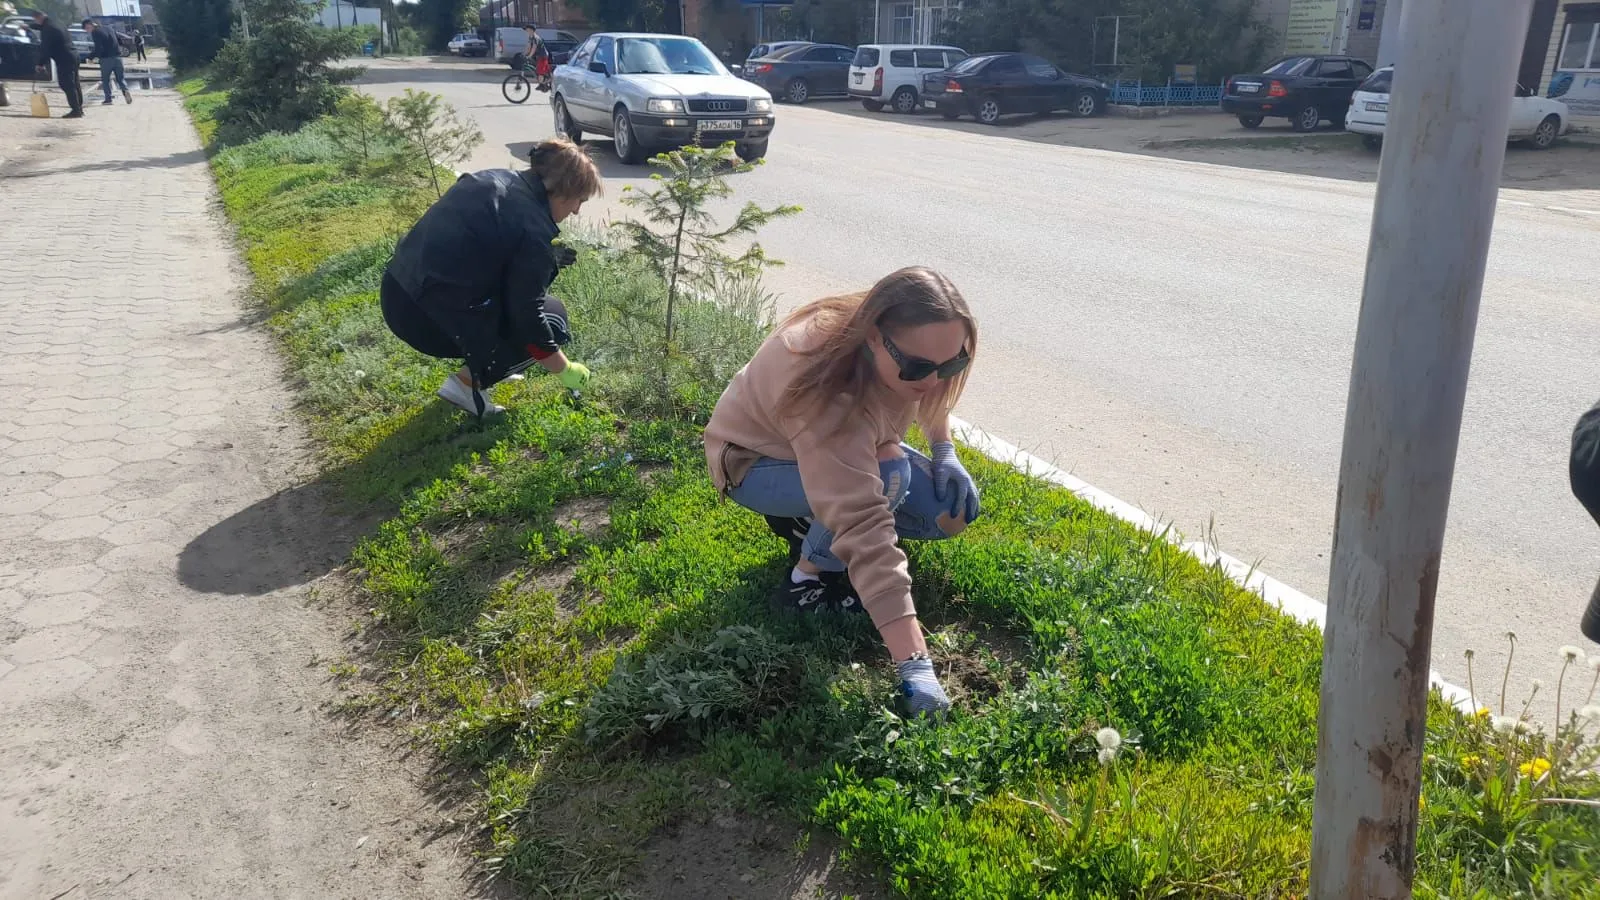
(164, 683)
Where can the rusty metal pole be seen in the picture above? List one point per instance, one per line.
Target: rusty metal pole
(1437, 185)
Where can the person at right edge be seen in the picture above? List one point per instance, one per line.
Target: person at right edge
(1584, 471)
(470, 280)
(812, 431)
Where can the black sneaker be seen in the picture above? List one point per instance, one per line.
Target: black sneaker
(841, 593)
(831, 593)
(792, 530)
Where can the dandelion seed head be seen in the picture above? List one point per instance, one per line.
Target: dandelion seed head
(1522, 727)
(360, 375)
(1108, 739)
(1590, 713)
(1503, 723)
(1537, 684)
(1571, 653)
(1107, 756)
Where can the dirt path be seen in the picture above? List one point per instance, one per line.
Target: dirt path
(165, 694)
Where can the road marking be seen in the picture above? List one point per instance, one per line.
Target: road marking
(1295, 603)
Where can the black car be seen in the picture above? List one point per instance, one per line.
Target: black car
(991, 85)
(560, 51)
(1306, 90)
(797, 74)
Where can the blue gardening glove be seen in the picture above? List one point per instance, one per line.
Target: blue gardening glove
(952, 485)
(920, 687)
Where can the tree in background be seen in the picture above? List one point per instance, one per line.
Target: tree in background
(281, 77)
(632, 15)
(195, 30)
(441, 20)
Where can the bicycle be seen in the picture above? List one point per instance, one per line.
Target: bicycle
(517, 88)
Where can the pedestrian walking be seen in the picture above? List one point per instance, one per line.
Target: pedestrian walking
(138, 44)
(471, 279)
(109, 53)
(55, 47)
(811, 434)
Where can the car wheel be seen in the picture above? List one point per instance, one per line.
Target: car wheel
(988, 111)
(1251, 121)
(564, 123)
(872, 105)
(905, 101)
(1087, 104)
(753, 151)
(798, 91)
(627, 142)
(1544, 137)
(1372, 142)
(1307, 119)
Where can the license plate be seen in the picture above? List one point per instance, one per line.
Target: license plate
(1248, 88)
(719, 125)
(929, 104)
(1377, 107)
(858, 76)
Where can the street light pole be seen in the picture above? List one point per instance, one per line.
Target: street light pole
(1437, 185)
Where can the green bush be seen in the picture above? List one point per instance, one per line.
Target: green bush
(195, 30)
(280, 79)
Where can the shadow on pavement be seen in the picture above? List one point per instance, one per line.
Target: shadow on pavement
(453, 72)
(173, 161)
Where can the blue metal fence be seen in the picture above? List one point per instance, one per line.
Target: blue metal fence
(1137, 93)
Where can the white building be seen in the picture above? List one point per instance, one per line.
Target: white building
(344, 14)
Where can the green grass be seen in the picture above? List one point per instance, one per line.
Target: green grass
(566, 608)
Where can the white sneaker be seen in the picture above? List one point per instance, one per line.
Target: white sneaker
(460, 396)
(515, 376)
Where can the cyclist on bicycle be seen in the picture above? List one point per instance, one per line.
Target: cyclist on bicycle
(540, 55)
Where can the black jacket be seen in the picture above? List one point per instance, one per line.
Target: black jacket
(54, 45)
(105, 43)
(480, 261)
(1584, 464)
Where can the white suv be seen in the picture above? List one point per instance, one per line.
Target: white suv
(654, 92)
(891, 74)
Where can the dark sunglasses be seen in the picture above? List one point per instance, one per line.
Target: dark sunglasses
(915, 368)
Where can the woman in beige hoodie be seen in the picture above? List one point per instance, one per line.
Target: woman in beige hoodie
(814, 428)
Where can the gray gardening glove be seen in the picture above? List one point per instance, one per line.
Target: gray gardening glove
(920, 686)
(951, 483)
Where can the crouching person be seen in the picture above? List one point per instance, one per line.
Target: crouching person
(811, 434)
(470, 280)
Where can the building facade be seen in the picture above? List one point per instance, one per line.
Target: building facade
(1571, 69)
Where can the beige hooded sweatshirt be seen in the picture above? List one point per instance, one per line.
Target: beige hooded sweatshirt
(837, 453)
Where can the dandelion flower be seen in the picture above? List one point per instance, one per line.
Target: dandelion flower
(1534, 768)
(1108, 739)
(1483, 712)
(1107, 756)
(1571, 653)
(360, 375)
(1503, 723)
(1422, 803)
(1470, 762)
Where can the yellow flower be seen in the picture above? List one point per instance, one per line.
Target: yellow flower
(1422, 803)
(1470, 762)
(1535, 768)
(1483, 712)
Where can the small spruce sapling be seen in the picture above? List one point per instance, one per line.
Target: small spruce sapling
(429, 128)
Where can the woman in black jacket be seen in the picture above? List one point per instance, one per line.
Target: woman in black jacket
(469, 280)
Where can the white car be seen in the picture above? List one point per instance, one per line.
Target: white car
(654, 92)
(891, 74)
(1537, 120)
(468, 44)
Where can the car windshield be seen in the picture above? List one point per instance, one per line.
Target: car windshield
(786, 52)
(1379, 83)
(1294, 65)
(866, 57)
(665, 56)
(970, 64)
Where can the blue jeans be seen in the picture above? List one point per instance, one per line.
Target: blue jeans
(108, 67)
(772, 488)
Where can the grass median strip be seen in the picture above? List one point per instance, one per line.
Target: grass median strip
(563, 607)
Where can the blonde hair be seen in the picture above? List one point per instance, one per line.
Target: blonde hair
(840, 362)
(565, 169)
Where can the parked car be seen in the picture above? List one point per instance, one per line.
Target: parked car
(1538, 121)
(467, 44)
(82, 43)
(798, 73)
(511, 44)
(991, 85)
(653, 92)
(891, 74)
(560, 50)
(770, 48)
(1306, 90)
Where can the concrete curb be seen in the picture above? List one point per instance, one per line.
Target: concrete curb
(1290, 601)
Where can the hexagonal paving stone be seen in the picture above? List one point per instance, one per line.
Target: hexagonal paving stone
(87, 449)
(63, 580)
(55, 642)
(95, 465)
(140, 531)
(145, 556)
(52, 678)
(83, 487)
(68, 507)
(95, 433)
(62, 609)
(50, 446)
(11, 598)
(142, 452)
(5, 668)
(139, 509)
(26, 483)
(23, 504)
(74, 529)
(136, 435)
(40, 431)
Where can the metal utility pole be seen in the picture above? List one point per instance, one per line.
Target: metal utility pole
(1437, 185)
(1389, 34)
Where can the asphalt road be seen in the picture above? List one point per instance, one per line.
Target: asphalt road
(1179, 333)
